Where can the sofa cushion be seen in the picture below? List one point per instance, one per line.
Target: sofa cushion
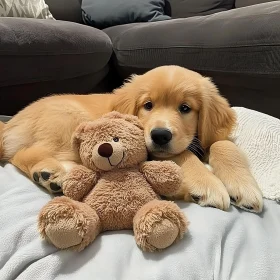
(105, 13)
(244, 3)
(245, 40)
(189, 8)
(33, 50)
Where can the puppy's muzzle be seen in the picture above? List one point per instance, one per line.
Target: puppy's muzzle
(161, 136)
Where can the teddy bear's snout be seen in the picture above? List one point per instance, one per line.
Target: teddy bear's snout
(105, 150)
(107, 155)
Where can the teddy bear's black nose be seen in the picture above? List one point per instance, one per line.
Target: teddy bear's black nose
(161, 136)
(105, 150)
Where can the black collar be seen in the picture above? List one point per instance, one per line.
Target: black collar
(196, 148)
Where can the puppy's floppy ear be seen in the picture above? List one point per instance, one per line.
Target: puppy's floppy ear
(216, 118)
(129, 118)
(125, 97)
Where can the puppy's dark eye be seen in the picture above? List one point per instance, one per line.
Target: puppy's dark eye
(116, 139)
(148, 106)
(184, 108)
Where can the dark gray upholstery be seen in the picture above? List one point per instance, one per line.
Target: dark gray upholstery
(46, 56)
(244, 3)
(13, 98)
(189, 8)
(4, 118)
(242, 44)
(217, 42)
(63, 50)
(238, 48)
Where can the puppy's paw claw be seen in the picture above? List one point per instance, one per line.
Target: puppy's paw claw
(215, 196)
(210, 206)
(247, 196)
(196, 198)
(233, 199)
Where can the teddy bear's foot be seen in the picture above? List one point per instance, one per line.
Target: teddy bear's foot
(68, 224)
(158, 224)
(163, 234)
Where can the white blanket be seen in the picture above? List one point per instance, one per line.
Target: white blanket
(220, 245)
(258, 135)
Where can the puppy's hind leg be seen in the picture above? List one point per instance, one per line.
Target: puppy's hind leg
(41, 167)
(231, 167)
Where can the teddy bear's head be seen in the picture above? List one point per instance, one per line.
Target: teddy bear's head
(113, 141)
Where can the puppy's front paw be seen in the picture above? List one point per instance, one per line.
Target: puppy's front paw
(230, 165)
(207, 191)
(245, 193)
(211, 194)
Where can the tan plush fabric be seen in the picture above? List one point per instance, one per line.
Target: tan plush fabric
(79, 182)
(117, 197)
(114, 192)
(158, 224)
(68, 223)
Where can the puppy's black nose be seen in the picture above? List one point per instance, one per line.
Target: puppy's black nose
(105, 150)
(161, 136)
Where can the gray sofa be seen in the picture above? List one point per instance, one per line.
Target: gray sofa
(237, 43)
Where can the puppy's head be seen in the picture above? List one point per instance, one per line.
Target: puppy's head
(175, 104)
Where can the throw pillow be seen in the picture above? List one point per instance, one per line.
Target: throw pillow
(25, 9)
(105, 13)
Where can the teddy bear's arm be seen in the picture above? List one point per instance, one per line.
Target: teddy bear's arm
(165, 177)
(78, 182)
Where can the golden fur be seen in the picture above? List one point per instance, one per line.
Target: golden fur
(38, 138)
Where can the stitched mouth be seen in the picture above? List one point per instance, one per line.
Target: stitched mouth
(117, 163)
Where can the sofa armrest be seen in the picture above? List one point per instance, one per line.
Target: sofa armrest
(33, 50)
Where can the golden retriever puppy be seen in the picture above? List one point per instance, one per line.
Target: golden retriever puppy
(181, 111)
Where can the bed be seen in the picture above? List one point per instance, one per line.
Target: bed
(219, 245)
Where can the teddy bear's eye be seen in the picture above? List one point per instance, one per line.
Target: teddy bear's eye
(116, 139)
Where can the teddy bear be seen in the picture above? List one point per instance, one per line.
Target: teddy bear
(114, 188)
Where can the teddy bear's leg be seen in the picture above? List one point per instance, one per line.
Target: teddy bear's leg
(67, 223)
(158, 224)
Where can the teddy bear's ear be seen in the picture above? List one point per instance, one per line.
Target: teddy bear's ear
(78, 135)
(129, 118)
